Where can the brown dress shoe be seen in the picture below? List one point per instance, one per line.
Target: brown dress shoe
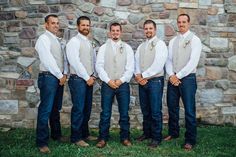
(142, 138)
(168, 138)
(44, 150)
(188, 147)
(91, 138)
(126, 143)
(101, 144)
(64, 139)
(81, 143)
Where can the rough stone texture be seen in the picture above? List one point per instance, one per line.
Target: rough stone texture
(232, 63)
(211, 96)
(8, 107)
(22, 21)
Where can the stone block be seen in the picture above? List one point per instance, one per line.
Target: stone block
(99, 11)
(188, 5)
(87, 7)
(9, 75)
(232, 63)
(8, 107)
(121, 14)
(204, 2)
(135, 18)
(230, 8)
(52, 1)
(215, 73)
(211, 96)
(7, 16)
(223, 84)
(21, 14)
(124, 2)
(212, 11)
(109, 4)
(27, 33)
(228, 110)
(171, 6)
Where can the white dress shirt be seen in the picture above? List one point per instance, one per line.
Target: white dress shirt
(129, 67)
(72, 51)
(159, 60)
(196, 47)
(43, 46)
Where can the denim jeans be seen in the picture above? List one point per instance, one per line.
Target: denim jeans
(150, 97)
(123, 98)
(186, 90)
(81, 96)
(51, 94)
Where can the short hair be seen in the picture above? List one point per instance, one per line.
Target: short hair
(150, 21)
(83, 18)
(48, 16)
(184, 15)
(115, 24)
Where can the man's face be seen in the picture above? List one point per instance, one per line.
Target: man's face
(183, 24)
(115, 32)
(149, 30)
(84, 27)
(52, 25)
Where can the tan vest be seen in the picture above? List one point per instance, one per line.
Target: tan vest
(181, 52)
(56, 52)
(115, 63)
(147, 56)
(86, 57)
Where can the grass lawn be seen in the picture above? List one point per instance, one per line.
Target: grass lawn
(213, 141)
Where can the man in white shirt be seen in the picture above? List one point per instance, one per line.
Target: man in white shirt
(81, 58)
(115, 66)
(51, 80)
(150, 59)
(183, 58)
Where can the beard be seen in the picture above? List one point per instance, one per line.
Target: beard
(149, 35)
(115, 38)
(85, 32)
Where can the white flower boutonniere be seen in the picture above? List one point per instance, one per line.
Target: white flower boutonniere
(121, 48)
(93, 44)
(186, 43)
(153, 44)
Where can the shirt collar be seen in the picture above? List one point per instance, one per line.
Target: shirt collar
(185, 34)
(152, 39)
(115, 43)
(82, 36)
(53, 35)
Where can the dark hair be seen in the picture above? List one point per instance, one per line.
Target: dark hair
(50, 15)
(184, 15)
(115, 24)
(148, 22)
(83, 18)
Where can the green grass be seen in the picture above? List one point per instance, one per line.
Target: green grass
(213, 141)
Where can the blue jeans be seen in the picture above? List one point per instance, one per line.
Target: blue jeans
(81, 96)
(186, 90)
(150, 97)
(51, 94)
(123, 98)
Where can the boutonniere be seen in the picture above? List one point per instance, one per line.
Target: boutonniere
(186, 43)
(121, 48)
(93, 44)
(153, 44)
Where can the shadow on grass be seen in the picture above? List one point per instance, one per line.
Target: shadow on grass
(213, 141)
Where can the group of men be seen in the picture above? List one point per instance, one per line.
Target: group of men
(115, 64)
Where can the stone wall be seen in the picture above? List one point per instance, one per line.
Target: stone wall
(21, 22)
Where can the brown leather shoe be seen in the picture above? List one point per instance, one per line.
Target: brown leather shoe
(44, 150)
(142, 138)
(81, 143)
(168, 138)
(126, 143)
(101, 144)
(188, 147)
(64, 139)
(91, 138)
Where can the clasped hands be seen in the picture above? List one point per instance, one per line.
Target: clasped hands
(142, 81)
(62, 80)
(114, 83)
(174, 80)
